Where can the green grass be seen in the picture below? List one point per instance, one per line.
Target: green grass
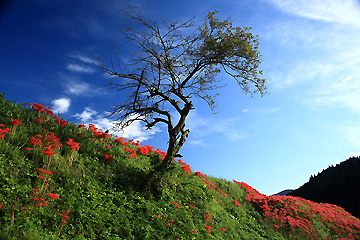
(104, 189)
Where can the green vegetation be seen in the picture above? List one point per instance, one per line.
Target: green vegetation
(337, 185)
(59, 180)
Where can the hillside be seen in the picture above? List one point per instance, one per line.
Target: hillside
(337, 185)
(60, 180)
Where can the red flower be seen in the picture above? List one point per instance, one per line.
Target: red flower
(48, 151)
(15, 122)
(236, 203)
(65, 216)
(174, 203)
(108, 157)
(41, 171)
(209, 229)
(53, 196)
(35, 141)
(74, 146)
(223, 229)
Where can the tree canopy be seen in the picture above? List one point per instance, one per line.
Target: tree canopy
(173, 63)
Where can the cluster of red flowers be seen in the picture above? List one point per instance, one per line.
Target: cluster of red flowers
(174, 203)
(64, 214)
(15, 122)
(204, 178)
(108, 157)
(191, 205)
(73, 145)
(51, 142)
(185, 167)
(209, 229)
(3, 131)
(207, 217)
(295, 213)
(38, 199)
(236, 203)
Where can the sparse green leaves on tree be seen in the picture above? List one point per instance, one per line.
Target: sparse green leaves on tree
(170, 66)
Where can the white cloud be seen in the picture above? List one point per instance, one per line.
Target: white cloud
(202, 127)
(78, 88)
(60, 105)
(340, 11)
(78, 68)
(135, 131)
(339, 94)
(86, 115)
(83, 58)
(198, 142)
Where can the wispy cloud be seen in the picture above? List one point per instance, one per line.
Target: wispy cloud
(60, 105)
(79, 68)
(135, 131)
(82, 58)
(78, 88)
(86, 115)
(340, 11)
(203, 127)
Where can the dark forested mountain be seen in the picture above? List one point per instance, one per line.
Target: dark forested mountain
(339, 185)
(284, 192)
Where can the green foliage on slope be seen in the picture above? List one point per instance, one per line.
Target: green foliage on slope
(59, 180)
(336, 185)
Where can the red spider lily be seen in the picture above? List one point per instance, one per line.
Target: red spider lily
(52, 140)
(108, 157)
(64, 214)
(74, 146)
(207, 217)
(209, 229)
(132, 152)
(295, 213)
(41, 171)
(15, 122)
(40, 120)
(43, 203)
(3, 131)
(174, 203)
(38, 107)
(145, 149)
(161, 153)
(35, 141)
(122, 141)
(53, 196)
(191, 205)
(48, 151)
(59, 121)
(185, 167)
(236, 203)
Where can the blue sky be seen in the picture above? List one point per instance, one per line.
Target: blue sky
(311, 50)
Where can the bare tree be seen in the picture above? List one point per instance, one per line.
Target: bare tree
(170, 65)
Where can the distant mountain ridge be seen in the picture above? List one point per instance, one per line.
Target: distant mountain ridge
(339, 185)
(284, 192)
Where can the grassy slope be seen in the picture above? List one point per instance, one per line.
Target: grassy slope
(103, 190)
